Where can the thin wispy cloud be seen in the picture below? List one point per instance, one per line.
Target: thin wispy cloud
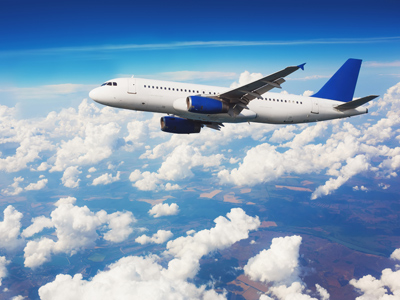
(192, 75)
(309, 77)
(196, 44)
(46, 91)
(391, 75)
(382, 64)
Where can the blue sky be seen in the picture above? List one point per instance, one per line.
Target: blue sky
(47, 42)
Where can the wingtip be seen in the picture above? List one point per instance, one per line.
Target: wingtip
(301, 66)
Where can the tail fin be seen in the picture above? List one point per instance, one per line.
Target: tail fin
(342, 84)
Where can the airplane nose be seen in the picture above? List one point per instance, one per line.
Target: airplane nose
(92, 94)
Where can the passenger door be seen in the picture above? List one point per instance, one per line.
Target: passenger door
(315, 106)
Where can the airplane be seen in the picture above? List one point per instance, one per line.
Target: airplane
(190, 107)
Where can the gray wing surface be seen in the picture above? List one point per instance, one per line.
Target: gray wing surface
(242, 95)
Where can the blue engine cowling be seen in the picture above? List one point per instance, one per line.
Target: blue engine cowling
(204, 105)
(179, 125)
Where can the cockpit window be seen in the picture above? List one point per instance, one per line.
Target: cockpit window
(109, 83)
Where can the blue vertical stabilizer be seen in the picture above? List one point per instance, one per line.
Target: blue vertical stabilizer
(342, 84)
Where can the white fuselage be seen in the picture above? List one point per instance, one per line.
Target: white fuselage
(170, 98)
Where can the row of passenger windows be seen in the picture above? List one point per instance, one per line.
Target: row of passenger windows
(286, 101)
(174, 89)
(109, 83)
(193, 91)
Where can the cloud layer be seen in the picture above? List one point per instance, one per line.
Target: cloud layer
(146, 278)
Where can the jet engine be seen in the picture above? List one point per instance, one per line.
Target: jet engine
(204, 105)
(179, 125)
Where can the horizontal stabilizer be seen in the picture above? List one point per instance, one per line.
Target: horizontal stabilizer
(355, 103)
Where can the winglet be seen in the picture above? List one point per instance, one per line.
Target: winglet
(301, 66)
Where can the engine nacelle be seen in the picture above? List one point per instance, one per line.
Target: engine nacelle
(204, 105)
(179, 125)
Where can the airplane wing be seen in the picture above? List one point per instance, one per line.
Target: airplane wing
(241, 96)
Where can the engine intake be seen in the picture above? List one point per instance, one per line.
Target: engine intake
(204, 105)
(179, 125)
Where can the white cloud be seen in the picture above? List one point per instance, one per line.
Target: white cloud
(177, 165)
(106, 178)
(246, 77)
(322, 292)
(36, 186)
(70, 177)
(146, 278)
(387, 287)
(14, 189)
(96, 145)
(38, 252)
(396, 254)
(171, 187)
(92, 170)
(119, 224)
(283, 133)
(278, 264)
(187, 250)
(147, 181)
(38, 224)
(296, 290)
(361, 188)
(43, 166)
(131, 277)
(165, 209)
(354, 166)
(308, 93)
(3, 270)
(161, 236)
(76, 229)
(10, 229)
